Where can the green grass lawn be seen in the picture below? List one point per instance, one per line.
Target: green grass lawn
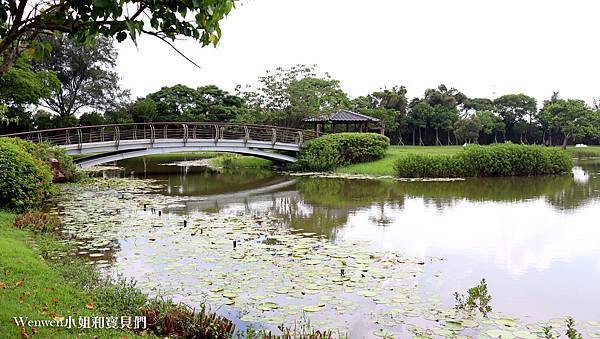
(31, 287)
(385, 166)
(590, 151)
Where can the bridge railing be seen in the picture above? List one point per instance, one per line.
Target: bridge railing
(167, 130)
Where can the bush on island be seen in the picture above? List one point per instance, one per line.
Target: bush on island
(486, 161)
(335, 150)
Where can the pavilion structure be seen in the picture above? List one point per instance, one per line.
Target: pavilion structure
(351, 120)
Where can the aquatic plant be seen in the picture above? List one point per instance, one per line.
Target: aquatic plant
(487, 161)
(179, 320)
(37, 221)
(478, 299)
(572, 332)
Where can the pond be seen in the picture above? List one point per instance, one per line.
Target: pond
(369, 257)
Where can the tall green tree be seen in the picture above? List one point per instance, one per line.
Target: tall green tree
(24, 21)
(388, 105)
(572, 118)
(183, 103)
(419, 113)
(86, 73)
(491, 124)
(468, 129)
(286, 96)
(21, 87)
(515, 108)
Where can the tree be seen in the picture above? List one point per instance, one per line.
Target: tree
(91, 119)
(573, 118)
(388, 105)
(20, 88)
(286, 96)
(312, 97)
(24, 21)
(478, 104)
(467, 129)
(491, 124)
(420, 111)
(514, 108)
(182, 103)
(445, 103)
(86, 73)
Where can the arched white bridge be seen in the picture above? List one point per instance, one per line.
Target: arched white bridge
(107, 143)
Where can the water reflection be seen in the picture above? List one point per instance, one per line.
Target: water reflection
(534, 239)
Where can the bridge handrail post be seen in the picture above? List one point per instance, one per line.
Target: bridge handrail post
(216, 134)
(300, 138)
(117, 136)
(67, 138)
(102, 134)
(79, 139)
(134, 132)
(274, 136)
(185, 134)
(165, 131)
(39, 136)
(152, 134)
(246, 135)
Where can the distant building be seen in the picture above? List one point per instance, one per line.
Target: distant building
(353, 122)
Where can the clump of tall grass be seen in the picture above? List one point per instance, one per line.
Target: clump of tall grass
(487, 161)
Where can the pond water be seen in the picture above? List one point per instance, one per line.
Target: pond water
(536, 241)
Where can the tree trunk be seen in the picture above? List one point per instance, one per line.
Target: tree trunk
(550, 138)
(495, 137)
(420, 139)
(437, 139)
(565, 141)
(413, 136)
(448, 137)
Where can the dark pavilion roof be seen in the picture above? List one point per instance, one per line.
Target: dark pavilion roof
(343, 116)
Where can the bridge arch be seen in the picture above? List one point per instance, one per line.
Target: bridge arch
(109, 143)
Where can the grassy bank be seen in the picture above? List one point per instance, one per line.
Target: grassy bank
(40, 280)
(385, 166)
(32, 287)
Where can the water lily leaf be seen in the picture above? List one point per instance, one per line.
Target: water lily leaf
(508, 322)
(500, 334)
(524, 334)
(384, 333)
(315, 308)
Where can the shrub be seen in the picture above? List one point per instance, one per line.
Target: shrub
(37, 221)
(45, 153)
(420, 165)
(335, 150)
(24, 180)
(481, 161)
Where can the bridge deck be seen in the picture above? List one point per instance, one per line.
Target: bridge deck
(122, 141)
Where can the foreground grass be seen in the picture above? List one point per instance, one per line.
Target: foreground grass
(31, 287)
(385, 166)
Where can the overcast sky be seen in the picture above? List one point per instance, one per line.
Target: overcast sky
(482, 47)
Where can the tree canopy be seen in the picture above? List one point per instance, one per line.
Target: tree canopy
(86, 73)
(24, 21)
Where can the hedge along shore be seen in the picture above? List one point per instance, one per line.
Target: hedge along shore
(483, 161)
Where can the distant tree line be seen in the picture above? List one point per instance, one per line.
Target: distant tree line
(76, 84)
